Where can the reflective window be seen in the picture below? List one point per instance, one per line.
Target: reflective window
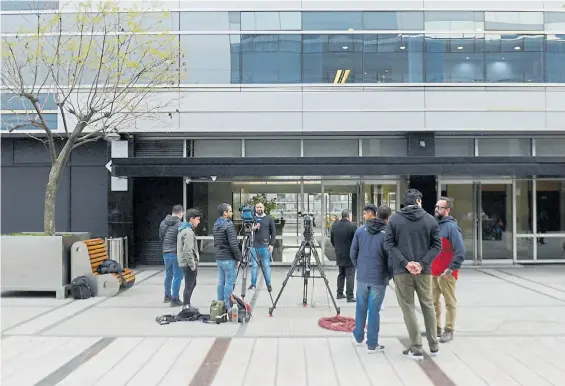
(555, 59)
(149, 21)
(209, 21)
(271, 58)
(271, 21)
(217, 148)
(455, 147)
(384, 147)
(495, 147)
(514, 21)
(332, 58)
(210, 59)
(331, 147)
(332, 21)
(454, 21)
(21, 122)
(23, 5)
(550, 146)
(514, 58)
(454, 58)
(272, 148)
(75, 22)
(27, 23)
(392, 58)
(15, 102)
(409, 20)
(555, 21)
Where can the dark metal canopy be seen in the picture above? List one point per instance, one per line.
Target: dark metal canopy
(334, 166)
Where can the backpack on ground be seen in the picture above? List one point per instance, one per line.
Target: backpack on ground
(188, 314)
(109, 266)
(218, 313)
(244, 309)
(80, 288)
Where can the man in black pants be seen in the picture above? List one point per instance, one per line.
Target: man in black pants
(187, 252)
(341, 237)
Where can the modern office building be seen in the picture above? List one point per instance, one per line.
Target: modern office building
(326, 105)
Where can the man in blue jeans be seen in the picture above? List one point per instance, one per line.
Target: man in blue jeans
(371, 261)
(263, 243)
(168, 231)
(228, 254)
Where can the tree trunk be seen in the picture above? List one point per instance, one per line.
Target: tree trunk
(49, 215)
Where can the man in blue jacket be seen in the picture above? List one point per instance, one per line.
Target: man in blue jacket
(370, 258)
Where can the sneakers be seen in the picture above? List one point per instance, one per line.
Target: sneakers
(167, 299)
(374, 350)
(175, 302)
(340, 296)
(351, 300)
(251, 288)
(439, 332)
(357, 343)
(447, 336)
(434, 351)
(413, 353)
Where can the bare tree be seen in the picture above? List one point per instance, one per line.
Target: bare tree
(98, 66)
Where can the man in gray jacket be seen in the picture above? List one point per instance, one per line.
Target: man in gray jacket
(187, 252)
(168, 230)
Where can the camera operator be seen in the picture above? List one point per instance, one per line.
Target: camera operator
(263, 245)
(228, 254)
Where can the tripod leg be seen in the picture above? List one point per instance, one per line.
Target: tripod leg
(288, 275)
(243, 267)
(323, 275)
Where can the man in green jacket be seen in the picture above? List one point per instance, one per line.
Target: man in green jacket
(187, 252)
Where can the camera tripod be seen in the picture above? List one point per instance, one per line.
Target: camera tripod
(302, 261)
(248, 239)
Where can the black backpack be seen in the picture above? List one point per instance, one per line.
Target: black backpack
(189, 314)
(110, 266)
(80, 288)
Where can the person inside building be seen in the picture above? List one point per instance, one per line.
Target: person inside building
(412, 242)
(187, 252)
(168, 231)
(369, 256)
(341, 237)
(445, 267)
(263, 244)
(228, 254)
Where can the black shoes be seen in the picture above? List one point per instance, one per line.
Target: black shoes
(175, 302)
(340, 296)
(167, 299)
(351, 300)
(413, 353)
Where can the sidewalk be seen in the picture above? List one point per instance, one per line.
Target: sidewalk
(510, 331)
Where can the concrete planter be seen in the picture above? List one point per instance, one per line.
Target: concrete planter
(38, 263)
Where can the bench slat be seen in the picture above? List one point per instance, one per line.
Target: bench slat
(95, 256)
(96, 249)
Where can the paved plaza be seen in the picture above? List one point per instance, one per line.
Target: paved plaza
(510, 331)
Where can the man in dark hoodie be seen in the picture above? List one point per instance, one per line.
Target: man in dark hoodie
(412, 242)
(445, 268)
(228, 254)
(187, 251)
(341, 238)
(369, 256)
(168, 230)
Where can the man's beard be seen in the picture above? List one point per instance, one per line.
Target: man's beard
(439, 216)
(260, 212)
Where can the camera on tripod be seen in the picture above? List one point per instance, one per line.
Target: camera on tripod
(249, 219)
(308, 219)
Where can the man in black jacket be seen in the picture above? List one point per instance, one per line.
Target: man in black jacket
(412, 242)
(168, 231)
(228, 254)
(264, 240)
(341, 237)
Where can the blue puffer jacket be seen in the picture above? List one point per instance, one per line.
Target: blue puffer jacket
(368, 253)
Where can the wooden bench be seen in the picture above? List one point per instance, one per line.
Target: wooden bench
(86, 257)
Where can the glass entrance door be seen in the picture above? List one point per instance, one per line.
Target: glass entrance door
(483, 210)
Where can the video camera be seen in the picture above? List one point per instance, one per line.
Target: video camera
(308, 225)
(249, 219)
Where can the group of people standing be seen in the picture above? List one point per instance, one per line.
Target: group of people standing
(420, 253)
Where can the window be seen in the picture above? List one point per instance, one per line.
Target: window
(15, 122)
(393, 58)
(272, 148)
(27, 23)
(210, 59)
(209, 21)
(550, 146)
(271, 21)
(384, 147)
(15, 102)
(555, 21)
(271, 58)
(514, 21)
(494, 147)
(554, 59)
(331, 147)
(217, 148)
(454, 21)
(455, 147)
(332, 58)
(149, 21)
(23, 5)
(332, 21)
(375, 21)
(514, 58)
(454, 58)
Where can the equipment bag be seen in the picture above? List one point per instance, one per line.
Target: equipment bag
(244, 309)
(189, 314)
(80, 288)
(110, 266)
